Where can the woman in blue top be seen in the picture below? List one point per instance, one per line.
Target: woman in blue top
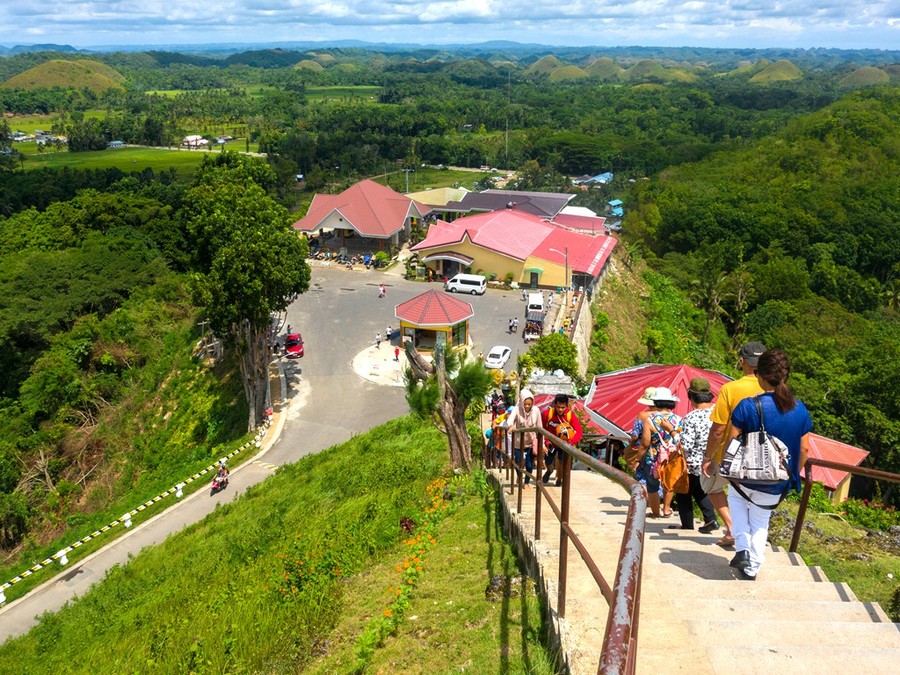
(787, 419)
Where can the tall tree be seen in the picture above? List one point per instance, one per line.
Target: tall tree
(250, 265)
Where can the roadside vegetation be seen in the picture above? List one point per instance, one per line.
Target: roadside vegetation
(363, 557)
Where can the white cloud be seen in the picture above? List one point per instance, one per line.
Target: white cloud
(732, 23)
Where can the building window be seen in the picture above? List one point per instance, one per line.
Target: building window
(459, 335)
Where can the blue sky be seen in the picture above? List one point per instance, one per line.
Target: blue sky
(846, 24)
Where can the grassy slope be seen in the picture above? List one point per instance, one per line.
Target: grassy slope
(206, 598)
(81, 74)
(175, 416)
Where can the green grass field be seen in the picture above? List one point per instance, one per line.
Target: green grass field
(126, 159)
(424, 178)
(30, 123)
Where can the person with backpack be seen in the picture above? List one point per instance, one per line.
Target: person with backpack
(787, 419)
(659, 439)
(560, 420)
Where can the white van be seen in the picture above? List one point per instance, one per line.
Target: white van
(466, 283)
(535, 302)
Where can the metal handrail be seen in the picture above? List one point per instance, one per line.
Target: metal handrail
(623, 597)
(808, 481)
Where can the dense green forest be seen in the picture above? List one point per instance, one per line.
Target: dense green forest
(770, 211)
(103, 393)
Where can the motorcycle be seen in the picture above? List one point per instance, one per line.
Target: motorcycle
(219, 483)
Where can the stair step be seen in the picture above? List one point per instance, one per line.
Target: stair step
(714, 609)
(818, 659)
(680, 565)
(785, 633)
(760, 590)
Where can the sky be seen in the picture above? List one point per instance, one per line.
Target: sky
(844, 24)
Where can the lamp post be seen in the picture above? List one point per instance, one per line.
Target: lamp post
(564, 253)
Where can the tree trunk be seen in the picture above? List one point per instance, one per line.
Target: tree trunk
(450, 410)
(253, 357)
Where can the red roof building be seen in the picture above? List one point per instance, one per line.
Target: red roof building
(535, 250)
(435, 315)
(368, 208)
(613, 397)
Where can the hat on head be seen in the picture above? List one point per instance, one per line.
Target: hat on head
(699, 385)
(646, 399)
(663, 394)
(751, 352)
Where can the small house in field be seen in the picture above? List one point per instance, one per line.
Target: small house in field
(194, 141)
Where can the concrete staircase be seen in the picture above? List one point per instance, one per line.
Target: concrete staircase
(696, 616)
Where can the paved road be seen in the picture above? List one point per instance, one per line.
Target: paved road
(326, 403)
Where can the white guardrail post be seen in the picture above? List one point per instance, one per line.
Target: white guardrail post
(61, 556)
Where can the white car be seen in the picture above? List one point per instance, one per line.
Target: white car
(497, 357)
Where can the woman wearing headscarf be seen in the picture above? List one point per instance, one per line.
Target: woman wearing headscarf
(524, 415)
(787, 419)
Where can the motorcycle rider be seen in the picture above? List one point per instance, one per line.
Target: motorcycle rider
(222, 472)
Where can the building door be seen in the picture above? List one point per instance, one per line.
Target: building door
(534, 280)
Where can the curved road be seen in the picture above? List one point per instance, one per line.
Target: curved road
(326, 403)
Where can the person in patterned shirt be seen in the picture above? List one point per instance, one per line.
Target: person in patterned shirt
(694, 432)
(659, 438)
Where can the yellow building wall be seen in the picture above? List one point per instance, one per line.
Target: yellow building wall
(553, 275)
(487, 262)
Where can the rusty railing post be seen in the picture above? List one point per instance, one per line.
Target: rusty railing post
(520, 436)
(801, 512)
(566, 472)
(538, 488)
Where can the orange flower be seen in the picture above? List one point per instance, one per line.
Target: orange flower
(387, 612)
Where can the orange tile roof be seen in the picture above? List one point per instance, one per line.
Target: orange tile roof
(372, 209)
(434, 308)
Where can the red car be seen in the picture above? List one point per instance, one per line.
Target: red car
(293, 346)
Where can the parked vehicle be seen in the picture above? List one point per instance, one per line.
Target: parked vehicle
(466, 283)
(497, 357)
(293, 346)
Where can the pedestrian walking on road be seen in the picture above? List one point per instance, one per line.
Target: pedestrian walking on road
(515, 324)
(396, 353)
(378, 340)
(388, 333)
(382, 291)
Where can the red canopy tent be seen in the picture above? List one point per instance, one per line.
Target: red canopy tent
(613, 402)
(614, 396)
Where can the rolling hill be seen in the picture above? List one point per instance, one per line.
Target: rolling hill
(78, 74)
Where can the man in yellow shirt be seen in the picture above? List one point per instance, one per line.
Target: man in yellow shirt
(730, 395)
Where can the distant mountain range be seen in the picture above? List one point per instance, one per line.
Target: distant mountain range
(493, 47)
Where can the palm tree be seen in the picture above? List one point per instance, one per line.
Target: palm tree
(708, 294)
(891, 294)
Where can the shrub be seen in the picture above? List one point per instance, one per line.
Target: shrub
(870, 514)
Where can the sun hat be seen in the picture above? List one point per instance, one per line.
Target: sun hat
(751, 352)
(699, 385)
(646, 399)
(663, 394)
